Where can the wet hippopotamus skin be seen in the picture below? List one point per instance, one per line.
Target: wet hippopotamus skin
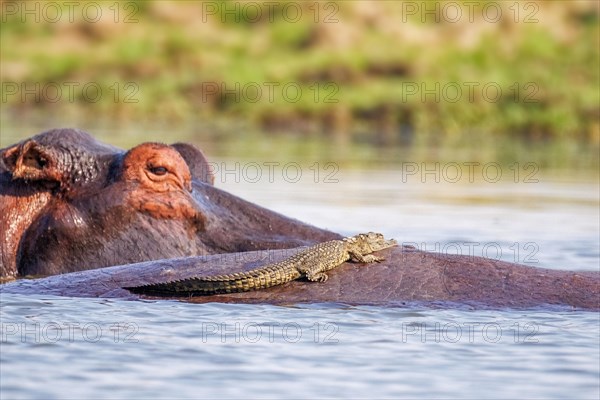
(407, 278)
(151, 214)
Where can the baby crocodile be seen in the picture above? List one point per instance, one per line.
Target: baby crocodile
(311, 263)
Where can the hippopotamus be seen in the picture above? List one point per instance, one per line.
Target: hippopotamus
(99, 219)
(69, 203)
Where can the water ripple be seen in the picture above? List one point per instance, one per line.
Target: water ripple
(170, 349)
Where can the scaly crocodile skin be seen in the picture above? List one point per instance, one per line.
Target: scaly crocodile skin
(311, 263)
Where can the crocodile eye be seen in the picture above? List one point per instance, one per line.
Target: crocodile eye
(159, 171)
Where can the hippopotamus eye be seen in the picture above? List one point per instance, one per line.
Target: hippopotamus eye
(158, 170)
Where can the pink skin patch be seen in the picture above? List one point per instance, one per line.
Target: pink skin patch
(163, 183)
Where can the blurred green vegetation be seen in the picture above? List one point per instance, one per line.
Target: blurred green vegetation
(365, 69)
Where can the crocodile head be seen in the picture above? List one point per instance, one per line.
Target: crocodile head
(370, 242)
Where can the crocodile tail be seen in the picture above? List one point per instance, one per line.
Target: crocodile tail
(261, 278)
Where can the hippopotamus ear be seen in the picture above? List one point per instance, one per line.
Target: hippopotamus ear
(199, 167)
(3, 166)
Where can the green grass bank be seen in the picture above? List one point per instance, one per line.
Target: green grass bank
(381, 70)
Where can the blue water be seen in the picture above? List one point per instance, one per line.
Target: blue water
(95, 348)
(113, 349)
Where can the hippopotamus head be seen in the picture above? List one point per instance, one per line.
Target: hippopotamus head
(68, 203)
